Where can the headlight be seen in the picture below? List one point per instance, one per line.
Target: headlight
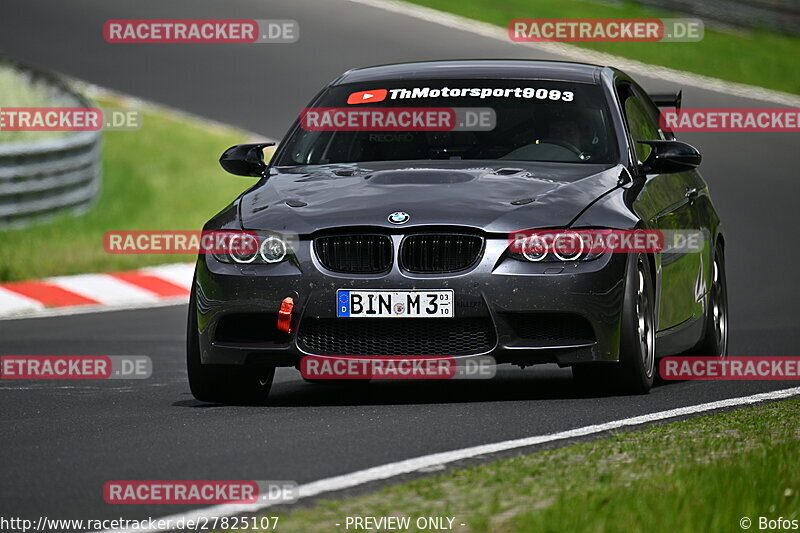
(550, 246)
(244, 248)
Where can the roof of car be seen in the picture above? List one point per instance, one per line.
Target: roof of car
(476, 69)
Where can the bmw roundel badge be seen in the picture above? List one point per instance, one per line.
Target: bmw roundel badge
(399, 217)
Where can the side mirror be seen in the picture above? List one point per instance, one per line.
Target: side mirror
(245, 159)
(667, 157)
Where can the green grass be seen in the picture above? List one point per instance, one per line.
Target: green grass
(746, 56)
(164, 176)
(16, 90)
(702, 474)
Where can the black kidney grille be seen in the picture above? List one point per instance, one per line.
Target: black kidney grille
(396, 336)
(355, 254)
(429, 253)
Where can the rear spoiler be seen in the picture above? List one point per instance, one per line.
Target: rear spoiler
(667, 99)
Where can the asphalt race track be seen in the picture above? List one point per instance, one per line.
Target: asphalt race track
(61, 441)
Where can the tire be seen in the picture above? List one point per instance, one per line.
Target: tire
(229, 384)
(635, 371)
(715, 335)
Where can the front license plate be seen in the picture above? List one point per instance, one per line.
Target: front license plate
(394, 304)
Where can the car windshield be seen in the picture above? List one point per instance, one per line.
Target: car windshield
(531, 120)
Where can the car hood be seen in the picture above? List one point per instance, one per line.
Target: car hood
(491, 197)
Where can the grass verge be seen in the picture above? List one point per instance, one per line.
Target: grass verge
(701, 474)
(163, 176)
(754, 57)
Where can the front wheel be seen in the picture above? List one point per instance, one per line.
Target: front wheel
(635, 371)
(229, 384)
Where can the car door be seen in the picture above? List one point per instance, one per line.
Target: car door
(666, 202)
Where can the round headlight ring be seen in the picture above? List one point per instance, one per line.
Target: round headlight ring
(273, 250)
(534, 248)
(573, 256)
(245, 238)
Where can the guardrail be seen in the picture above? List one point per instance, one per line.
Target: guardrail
(44, 178)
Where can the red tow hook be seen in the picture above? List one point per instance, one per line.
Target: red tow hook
(285, 315)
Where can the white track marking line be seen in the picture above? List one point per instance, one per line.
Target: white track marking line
(12, 303)
(103, 288)
(390, 470)
(584, 55)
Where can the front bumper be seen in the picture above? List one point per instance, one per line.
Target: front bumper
(564, 313)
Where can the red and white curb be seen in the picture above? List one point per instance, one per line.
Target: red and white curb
(146, 287)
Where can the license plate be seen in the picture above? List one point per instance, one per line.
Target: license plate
(394, 304)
